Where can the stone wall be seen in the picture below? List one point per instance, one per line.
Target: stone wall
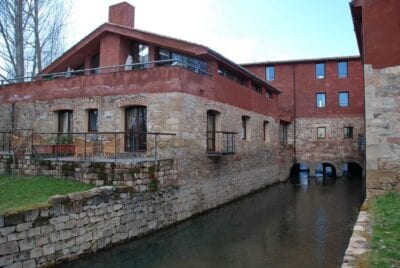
(83, 223)
(139, 175)
(179, 113)
(334, 148)
(382, 93)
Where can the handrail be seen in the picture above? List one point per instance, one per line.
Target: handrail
(117, 68)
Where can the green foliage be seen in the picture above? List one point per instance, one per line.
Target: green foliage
(65, 139)
(27, 191)
(386, 231)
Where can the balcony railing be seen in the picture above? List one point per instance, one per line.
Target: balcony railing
(94, 146)
(220, 143)
(107, 69)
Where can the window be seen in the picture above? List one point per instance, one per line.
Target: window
(136, 129)
(268, 94)
(320, 70)
(320, 100)
(270, 72)
(190, 63)
(231, 75)
(65, 121)
(343, 99)
(342, 69)
(245, 128)
(283, 134)
(348, 132)
(212, 126)
(266, 131)
(321, 133)
(93, 120)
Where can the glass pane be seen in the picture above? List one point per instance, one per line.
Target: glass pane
(342, 69)
(320, 100)
(343, 99)
(320, 70)
(270, 73)
(93, 122)
(321, 133)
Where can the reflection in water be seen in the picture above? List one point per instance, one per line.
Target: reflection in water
(302, 223)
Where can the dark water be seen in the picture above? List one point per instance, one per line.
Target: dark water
(301, 223)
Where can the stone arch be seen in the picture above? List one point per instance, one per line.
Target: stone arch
(326, 168)
(299, 167)
(354, 168)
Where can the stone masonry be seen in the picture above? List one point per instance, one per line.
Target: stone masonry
(383, 129)
(334, 148)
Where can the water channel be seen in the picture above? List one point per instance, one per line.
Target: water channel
(305, 222)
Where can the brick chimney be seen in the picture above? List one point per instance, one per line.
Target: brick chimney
(122, 13)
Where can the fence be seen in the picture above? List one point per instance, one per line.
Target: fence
(93, 146)
(221, 142)
(109, 69)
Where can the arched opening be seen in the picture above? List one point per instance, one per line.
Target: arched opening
(325, 169)
(352, 169)
(299, 174)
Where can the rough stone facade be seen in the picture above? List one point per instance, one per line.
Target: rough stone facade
(382, 93)
(83, 223)
(334, 149)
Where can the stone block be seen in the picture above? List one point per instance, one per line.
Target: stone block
(6, 260)
(9, 248)
(13, 219)
(31, 215)
(15, 265)
(41, 240)
(23, 226)
(7, 230)
(27, 244)
(29, 264)
(36, 252)
(21, 256)
(1, 221)
(48, 249)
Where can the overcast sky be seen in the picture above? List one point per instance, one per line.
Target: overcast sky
(242, 30)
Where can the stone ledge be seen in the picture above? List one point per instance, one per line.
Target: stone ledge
(359, 244)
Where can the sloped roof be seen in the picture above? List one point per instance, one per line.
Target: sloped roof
(153, 38)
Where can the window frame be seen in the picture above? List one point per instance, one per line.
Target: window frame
(316, 99)
(89, 111)
(266, 136)
(318, 133)
(348, 99)
(267, 77)
(60, 115)
(340, 74)
(323, 70)
(350, 134)
(245, 128)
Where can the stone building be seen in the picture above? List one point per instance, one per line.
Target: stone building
(119, 78)
(325, 99)
(377, 28)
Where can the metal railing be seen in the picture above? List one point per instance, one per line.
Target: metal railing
(221, 142)
(103, 146)
(14, 140)
(107, 69)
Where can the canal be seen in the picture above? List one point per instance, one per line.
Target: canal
(305, 222)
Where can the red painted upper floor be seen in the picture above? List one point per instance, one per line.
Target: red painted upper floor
(377, 27)
(326, 87)
(116, 59)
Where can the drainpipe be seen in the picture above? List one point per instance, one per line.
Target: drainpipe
(13, 116)
(294, 112)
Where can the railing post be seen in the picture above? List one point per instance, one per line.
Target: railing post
(84, 142)
(133, 143)
(32, 143)
(156, 145)
(115, 147)
(57, 142)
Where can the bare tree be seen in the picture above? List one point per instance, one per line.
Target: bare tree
(31, 35)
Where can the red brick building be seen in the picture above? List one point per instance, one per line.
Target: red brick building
(325, 99)
(377, 28)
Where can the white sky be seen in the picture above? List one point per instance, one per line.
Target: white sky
(242, 30)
